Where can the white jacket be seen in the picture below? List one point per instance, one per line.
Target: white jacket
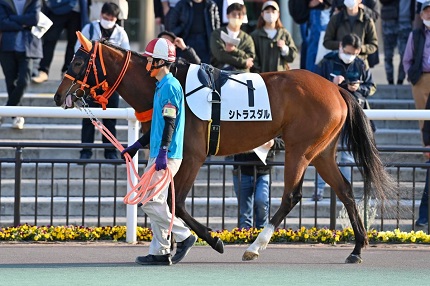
(119, 36)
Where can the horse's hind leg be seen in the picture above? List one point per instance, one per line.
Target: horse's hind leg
(293, 179)
(327, 167)
(184, 180)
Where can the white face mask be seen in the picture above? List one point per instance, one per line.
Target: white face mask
(350, 4)
(270, 17)
(346, 58)
(107, 24)
(427, 23)
(235, 22)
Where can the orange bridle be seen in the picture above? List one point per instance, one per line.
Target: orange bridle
(100, 84)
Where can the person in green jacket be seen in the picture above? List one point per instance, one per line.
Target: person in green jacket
(352, 20)
(274, 46)
(232, 48)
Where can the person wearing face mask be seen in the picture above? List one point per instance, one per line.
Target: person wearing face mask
(69, 15)
(416, 60)
(167, 137)
(194, 21)
(238, 51)
(344, 68)
(274, 46)
(353, 19)
(103, 29)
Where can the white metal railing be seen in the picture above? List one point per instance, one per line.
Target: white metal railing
(117, 113)
(133, 132)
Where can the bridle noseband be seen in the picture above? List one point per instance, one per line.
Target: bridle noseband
(100, 83)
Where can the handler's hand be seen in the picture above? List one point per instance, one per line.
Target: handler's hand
(161, 161)
(131, 150)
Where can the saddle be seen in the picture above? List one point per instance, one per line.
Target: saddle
(214, 79)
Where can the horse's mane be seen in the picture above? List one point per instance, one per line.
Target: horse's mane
(107, 43)
(172, 68)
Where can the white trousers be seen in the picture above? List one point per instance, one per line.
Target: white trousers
(159, 213)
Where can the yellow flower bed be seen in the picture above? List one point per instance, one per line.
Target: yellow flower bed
(27, 232)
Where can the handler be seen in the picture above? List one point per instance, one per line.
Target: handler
(166, 136)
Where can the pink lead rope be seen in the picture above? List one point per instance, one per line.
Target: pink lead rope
(142, 190)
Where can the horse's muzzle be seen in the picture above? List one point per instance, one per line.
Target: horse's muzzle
(68, 102)
(57, 99)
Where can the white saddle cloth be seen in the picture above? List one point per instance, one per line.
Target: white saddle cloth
(235, 100)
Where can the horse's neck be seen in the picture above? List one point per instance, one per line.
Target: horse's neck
(136, 87)
(180, 72)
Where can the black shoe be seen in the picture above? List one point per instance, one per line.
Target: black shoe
(84, 156)
(399, 82)
(111, 156)
(154, 260)
(390, 81)
(182, 248)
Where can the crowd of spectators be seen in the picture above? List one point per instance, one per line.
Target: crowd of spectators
(236, 35)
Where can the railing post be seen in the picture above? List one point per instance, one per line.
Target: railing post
(17, 198)
(428, 199)
(333, 209)
(131, 234)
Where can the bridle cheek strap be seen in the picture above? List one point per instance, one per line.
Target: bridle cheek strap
(104, 98)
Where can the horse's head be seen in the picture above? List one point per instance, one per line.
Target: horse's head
(74, 84)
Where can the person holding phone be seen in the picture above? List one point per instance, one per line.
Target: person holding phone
(344, 68)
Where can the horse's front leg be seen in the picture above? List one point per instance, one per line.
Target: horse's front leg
(184, 180)
(289, 200)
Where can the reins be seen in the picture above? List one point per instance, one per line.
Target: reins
(142, 192)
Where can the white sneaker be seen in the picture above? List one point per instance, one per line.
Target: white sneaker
(18, 123)
(42, 77)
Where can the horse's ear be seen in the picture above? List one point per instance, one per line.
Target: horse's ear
(84, 41)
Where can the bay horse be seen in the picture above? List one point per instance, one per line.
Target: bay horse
(308, 111)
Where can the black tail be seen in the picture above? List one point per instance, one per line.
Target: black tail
(359, 139)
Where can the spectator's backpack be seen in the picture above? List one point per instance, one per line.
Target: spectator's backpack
(299, 10)
(61, 7)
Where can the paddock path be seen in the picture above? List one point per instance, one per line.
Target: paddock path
(100, 263)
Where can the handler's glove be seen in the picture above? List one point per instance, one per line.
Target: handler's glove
(161, 161)
(131, 150)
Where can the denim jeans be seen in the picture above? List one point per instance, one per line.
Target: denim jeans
(345, 157)
(424, 206)
(253, 198)
(317, 25)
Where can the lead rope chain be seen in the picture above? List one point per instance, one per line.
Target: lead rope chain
(142, 189)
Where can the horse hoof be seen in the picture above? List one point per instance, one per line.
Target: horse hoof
(352, 258)
(247, 256)
(219, 246)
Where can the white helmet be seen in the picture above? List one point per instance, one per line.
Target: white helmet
(161, 48)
